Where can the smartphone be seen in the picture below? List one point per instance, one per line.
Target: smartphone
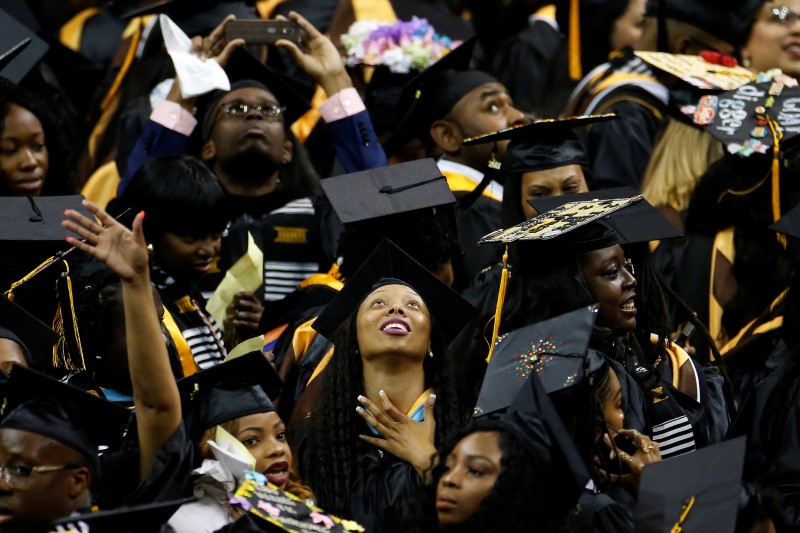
(264, 31)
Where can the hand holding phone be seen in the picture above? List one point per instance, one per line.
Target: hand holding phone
(265, 31)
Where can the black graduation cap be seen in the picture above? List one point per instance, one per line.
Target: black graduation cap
(534, 421)
(698, 491)
(639, 222)
(147, 518)
(389, 264)
(432, 93)
(35, 337)
(232, 389)
(573, 221)
(245, 70)
(543, 144)
(9, 55)
(729, 20)
(789, 224)
(555, 350)
(25, 218)
(744, 118)
(38, 404)
(23, 60)
(388, 190)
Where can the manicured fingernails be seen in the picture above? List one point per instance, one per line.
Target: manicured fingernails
(142, 213)
(382, 394)
(360, 410)
(362, 399)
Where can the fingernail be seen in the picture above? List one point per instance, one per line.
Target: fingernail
(361, 399)
(66, 212)
(382, 394)
(432, 397)
(142, 213)
(359, 410)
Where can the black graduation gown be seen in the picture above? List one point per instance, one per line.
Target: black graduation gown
(474, 222)
(773, 462)
(385, 479)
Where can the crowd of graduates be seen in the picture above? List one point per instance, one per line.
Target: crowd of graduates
(399, 266)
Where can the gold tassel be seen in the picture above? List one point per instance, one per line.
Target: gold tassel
(501, 298)
(62, 358)
(575, 68)
(10, 292)
(776, 177)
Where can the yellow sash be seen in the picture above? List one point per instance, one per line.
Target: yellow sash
(184, 352)
(460, 183)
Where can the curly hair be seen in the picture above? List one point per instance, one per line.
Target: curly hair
(521, 495)
(294, 485)
(60, 169)
(331, 464)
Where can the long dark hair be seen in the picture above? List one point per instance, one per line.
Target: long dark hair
(60, 169)
(521, 496)
(332, 465)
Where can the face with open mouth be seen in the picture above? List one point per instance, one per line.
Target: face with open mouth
(393, 319)
(613, 287)
(774, 40)
(264, 435)
(471, 471)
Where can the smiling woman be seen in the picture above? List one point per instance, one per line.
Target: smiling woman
(186, 215)
(376, 414)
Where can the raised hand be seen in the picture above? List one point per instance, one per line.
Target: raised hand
(216, 46)
(123, 250)
(320, 59)
(403, 437)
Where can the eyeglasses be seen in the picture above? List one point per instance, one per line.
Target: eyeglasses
(18, 476)
(269, 112)
(784, 15)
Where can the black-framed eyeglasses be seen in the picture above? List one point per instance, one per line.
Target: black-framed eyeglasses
(238, 109)
(784, 15)
(18, 476)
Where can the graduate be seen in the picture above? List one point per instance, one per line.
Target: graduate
(444, 105)
(377, 407)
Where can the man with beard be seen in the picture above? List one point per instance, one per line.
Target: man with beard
(272, 188)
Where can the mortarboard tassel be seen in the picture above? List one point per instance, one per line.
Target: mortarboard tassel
(501, 298)
(575, 67)
(65, 323)
(776, 176)
(687, 506)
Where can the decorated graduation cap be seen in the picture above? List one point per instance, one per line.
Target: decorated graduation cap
(33, 335)
(235, 388)
(389, 265)
(759, 117)
(638, 222)
(21, 48)
(534, 421)
(543, 144)
(564, 220)
(245, 70)
(699, 71)
(38, 404)
(148, 518)
(697, 491)
(389, 190)
(571, 228)
(729, 20)
(554, 350)
(431, 94)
